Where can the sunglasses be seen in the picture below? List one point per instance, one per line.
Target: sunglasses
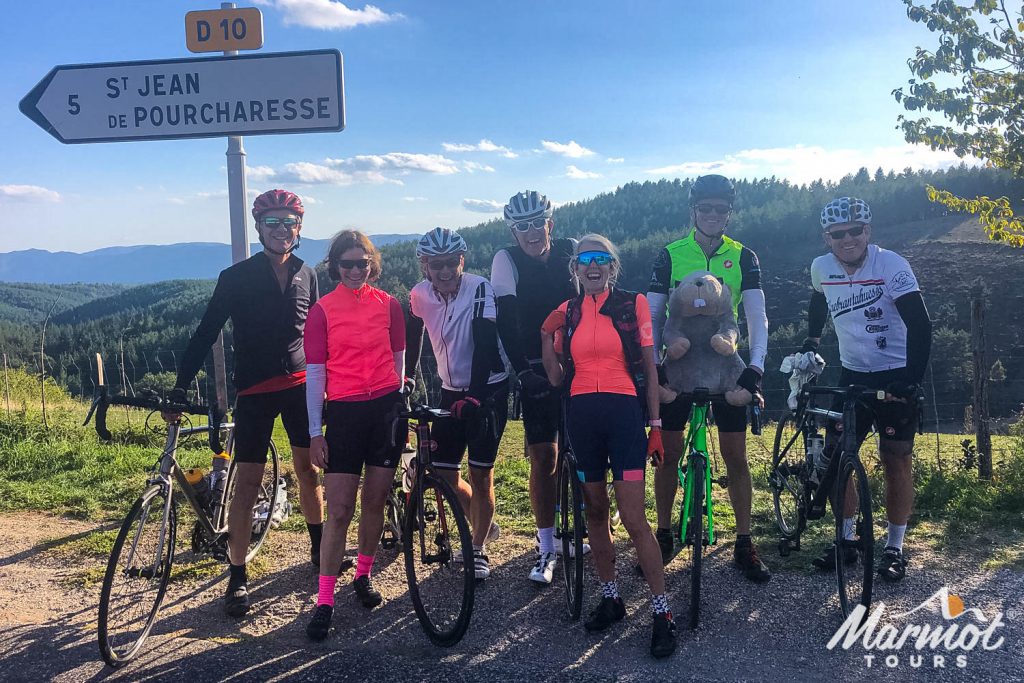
(536, 224)
(720, 209)
(601, 258)
(360, 263)
(274, 223)
(441, 264)
(855, 231)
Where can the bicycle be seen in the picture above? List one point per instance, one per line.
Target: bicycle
(694, 471)
(570, 520)
(795, 477)
(139, 568)
(439, 569)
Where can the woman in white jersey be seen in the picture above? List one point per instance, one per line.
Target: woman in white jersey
(458, 311)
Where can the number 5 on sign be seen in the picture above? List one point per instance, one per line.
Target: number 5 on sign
(218, 30)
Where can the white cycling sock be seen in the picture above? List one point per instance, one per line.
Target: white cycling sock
(849, 527)
(546, 540)
(896, 533)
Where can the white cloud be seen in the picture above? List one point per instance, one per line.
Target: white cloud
(484, 145)
(28, 193)
(472, 167)
(482, 205)
(259, 173)
(579, 174)
(328, 14)
(307, 173)
(571, 149)
(414, 199)
(615, 160)
(307, 200)
(398, 161)
(801, 164)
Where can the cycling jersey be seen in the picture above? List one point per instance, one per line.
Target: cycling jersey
(449, 324)
(356, 333)
(267, 321)
(872, 334)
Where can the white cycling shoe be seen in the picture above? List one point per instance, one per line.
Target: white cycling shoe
(544, 571)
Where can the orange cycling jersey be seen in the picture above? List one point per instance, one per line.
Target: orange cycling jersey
(597, 348)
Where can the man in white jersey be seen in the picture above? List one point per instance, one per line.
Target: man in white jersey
(459, 312)
(885, 340)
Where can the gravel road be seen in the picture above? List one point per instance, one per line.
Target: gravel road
(777, 631)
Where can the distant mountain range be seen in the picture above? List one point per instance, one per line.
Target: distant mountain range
(143, 263)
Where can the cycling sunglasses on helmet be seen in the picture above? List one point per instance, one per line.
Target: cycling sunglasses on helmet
(274, 223)
(855, 231)
(536, 224)
(601, 258)
(720, 209)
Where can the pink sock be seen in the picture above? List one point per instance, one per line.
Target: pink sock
(364, 563)
(326, 596)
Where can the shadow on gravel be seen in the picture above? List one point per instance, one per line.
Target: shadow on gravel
(51, 544)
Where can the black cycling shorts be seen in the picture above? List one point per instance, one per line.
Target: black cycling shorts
(728, 418)
(359, 433)
(893, 420)
(541, 416)
(254, 422)
(606, 431)
(454, 436)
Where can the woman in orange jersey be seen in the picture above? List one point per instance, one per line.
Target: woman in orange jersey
(355, 354)
(606, 364)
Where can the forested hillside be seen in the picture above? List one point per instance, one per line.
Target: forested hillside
(775, 218)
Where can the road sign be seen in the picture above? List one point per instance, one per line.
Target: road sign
(217, 30)
(200, 97)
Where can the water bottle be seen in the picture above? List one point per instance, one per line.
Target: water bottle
(408, 471)
(219, 476)
(282, 506)
(197, 478)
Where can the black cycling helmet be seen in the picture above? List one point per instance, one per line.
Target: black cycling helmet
(712, 187)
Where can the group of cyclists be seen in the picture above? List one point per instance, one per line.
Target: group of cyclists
(338, 368)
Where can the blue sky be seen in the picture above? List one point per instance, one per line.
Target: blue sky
(454, 106)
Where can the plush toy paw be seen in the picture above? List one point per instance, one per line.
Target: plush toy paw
(723, 345)
(678, 348)
(738, 397)
(666, 395)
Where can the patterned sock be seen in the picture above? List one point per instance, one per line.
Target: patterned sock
(896, 533)
(849, 527)
(326, 595)
(546, 540)
(609, 589)
(659, 604)
(364, 563)
(238, 575)
(316, 532)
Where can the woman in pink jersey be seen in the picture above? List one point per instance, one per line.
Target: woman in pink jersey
(355, 354)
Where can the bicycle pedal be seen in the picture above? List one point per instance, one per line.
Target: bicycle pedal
(723, 482)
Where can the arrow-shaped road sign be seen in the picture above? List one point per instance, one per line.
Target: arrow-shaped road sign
(261, 94)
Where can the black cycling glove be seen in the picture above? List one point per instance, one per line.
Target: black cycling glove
(534, 385)
(750, 380)
(902, 389)
(177, 396)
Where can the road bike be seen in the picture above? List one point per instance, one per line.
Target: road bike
(139, 569)
(435, 536)
(696, 519)
(570, 520)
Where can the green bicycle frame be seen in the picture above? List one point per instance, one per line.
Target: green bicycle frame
(696, 450)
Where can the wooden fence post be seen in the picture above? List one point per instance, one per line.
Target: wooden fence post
(981, 418)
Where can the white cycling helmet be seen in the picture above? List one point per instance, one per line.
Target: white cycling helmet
(440, 242)
(845, 210)
(527, 205)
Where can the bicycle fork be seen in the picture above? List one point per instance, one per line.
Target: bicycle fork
(696, 460)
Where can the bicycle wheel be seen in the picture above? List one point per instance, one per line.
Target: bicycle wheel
(137, 574)
(394, 518)
(440, 585)
(571, 530)
(695, 538)
(266, 500)
(786, 478)
(854, 576)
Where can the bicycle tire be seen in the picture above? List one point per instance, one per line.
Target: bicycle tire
(112, 602)
(441, 588)
(854, 582)
(695, 532)
(571, 530)
(394, 518)
(266, 499)
(786, 479)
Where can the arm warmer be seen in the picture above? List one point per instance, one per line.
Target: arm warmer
(919, 334)
(508, 330)
(216, 314)
(757, 326)
(316, 383)
(413, 343)
(485, 350)
(817, 311)
(659, 313)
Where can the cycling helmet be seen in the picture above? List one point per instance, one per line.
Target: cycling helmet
(439, 242)
(527, 205)
(845, 210)
(277, 199)
(712, 187)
